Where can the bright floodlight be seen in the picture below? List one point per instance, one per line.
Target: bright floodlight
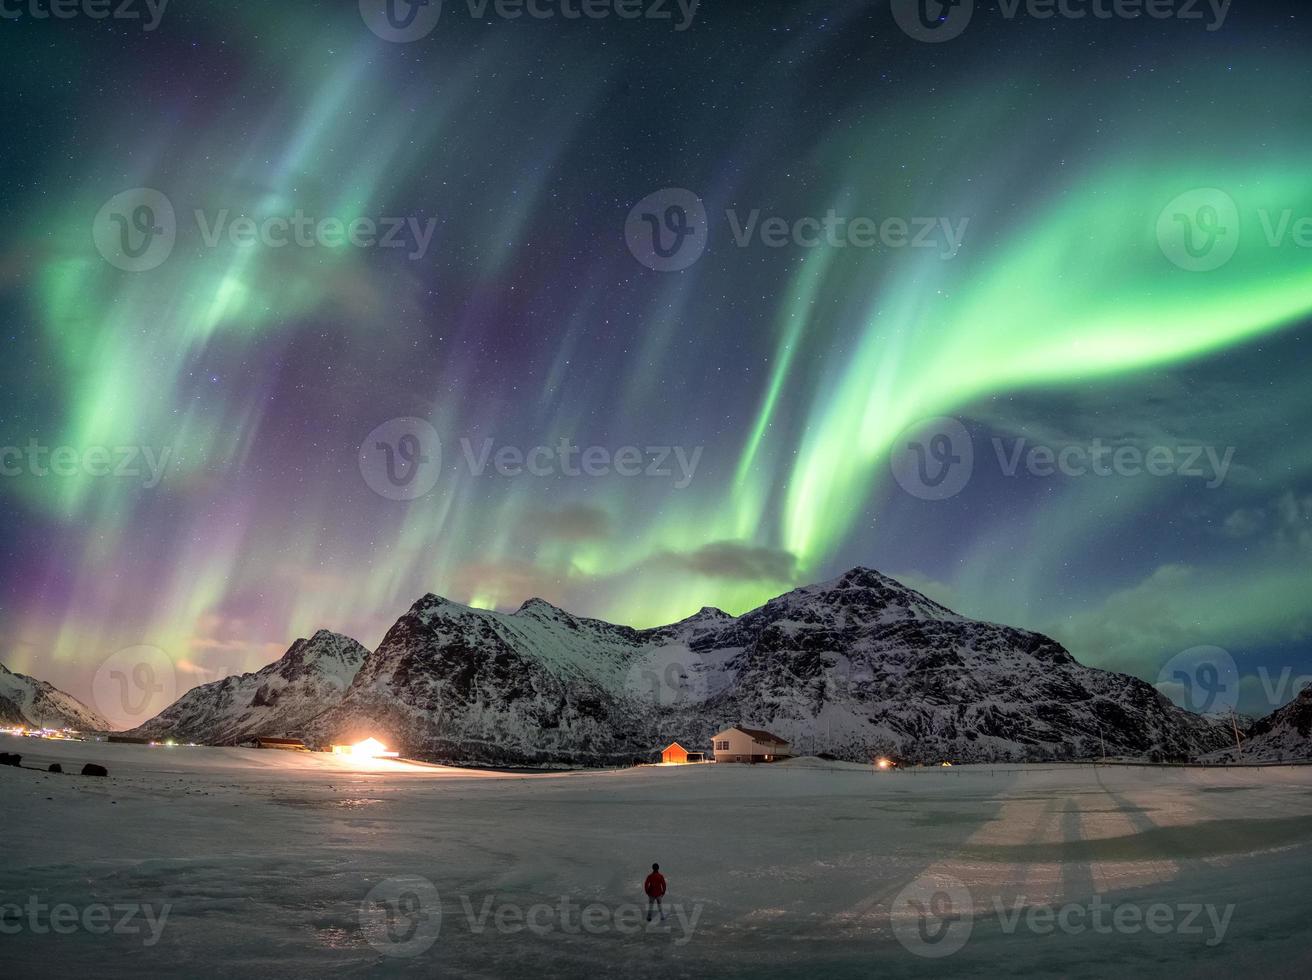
(370, 748)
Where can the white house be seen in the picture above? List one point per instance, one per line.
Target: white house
(740, 744)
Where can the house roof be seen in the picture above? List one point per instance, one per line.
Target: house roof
(759, 734)
(673, 745)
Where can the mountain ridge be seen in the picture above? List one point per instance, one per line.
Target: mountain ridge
(852, 666)
(34, 703)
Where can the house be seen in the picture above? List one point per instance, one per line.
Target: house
(739, 744)
(676, 754)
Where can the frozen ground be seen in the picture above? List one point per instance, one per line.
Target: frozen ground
(280, 864)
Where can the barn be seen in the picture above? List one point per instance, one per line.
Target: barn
(676, 754)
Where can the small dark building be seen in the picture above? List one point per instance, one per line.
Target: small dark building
(287, 744)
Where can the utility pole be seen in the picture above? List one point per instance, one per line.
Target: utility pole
(1234, 724)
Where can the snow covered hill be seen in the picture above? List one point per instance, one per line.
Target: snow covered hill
(277, 700)
(1285, 735)
(855, 666)
(32, 703)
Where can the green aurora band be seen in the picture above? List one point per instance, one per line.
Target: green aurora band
(1061, 283)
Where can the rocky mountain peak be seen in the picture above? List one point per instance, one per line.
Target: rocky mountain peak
(429, 601)
(710, 612)
(539, 607)
(276, 700)
(861, 576)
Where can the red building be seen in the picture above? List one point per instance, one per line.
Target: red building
(676, 754)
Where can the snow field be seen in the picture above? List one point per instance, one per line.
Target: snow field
(249, 863)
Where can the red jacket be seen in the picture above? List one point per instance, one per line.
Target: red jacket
(654, 886)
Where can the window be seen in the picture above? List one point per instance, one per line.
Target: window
(722, 745)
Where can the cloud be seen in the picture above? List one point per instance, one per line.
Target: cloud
(1244, 522)
(741, 577)
(507, 583)
(222, 645)
(1294, 522)
(1178, 607)
(572, 522)
(1287, 521)
(735, 560)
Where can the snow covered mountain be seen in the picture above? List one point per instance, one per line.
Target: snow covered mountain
(32, 703)
(277, 700)
(856, 666)
(1285, 735)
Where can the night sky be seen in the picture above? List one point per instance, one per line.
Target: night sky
(1073, 156)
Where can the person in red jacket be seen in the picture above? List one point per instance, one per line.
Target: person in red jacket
(654, 886)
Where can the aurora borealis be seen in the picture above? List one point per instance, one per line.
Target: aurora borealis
(523, 145)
